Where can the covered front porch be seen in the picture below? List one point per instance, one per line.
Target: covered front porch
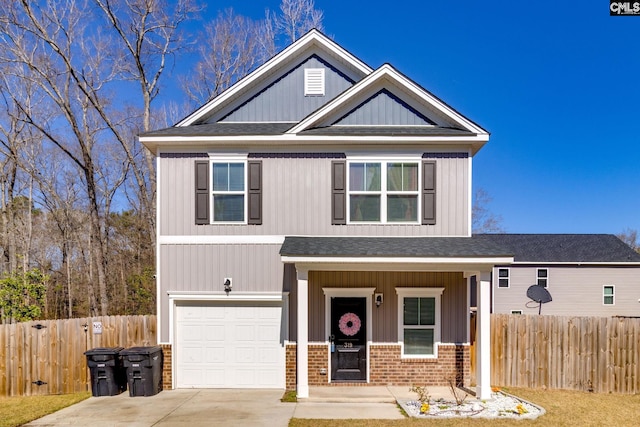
(388, 311)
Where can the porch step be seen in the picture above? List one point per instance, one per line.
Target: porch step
(347, 394)
(343, 399)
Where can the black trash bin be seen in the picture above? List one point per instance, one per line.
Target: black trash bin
(144, 370)
(108, 377)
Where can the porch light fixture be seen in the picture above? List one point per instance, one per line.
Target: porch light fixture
(227, 285)
(378, 299)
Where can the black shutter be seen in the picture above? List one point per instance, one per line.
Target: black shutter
(338, 192)
(255, 192)
(429, 192)
(202, 195)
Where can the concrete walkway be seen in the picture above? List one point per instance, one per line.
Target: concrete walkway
(215, 407)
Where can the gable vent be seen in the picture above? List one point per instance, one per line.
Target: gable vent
(314, 81)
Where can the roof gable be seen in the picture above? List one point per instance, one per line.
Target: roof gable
(409, 100)
(314, 44)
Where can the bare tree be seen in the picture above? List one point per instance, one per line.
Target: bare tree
(483, 220)
(297, 17)
(233, 45)
(631, 238)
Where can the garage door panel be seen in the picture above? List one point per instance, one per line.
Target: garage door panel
(230, 346)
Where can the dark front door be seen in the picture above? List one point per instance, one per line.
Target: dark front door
(348, 339)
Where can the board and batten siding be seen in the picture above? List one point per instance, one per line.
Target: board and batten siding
(203, 268)
(284, 99)
(385, 317)
(576, 291)
(296, 200)
(384, 108)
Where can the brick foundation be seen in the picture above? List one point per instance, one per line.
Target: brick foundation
(386, 367)
(167, 378)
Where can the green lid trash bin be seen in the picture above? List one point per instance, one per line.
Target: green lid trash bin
(107, 371)
(144, 370)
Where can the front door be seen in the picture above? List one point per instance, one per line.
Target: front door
(348, 339)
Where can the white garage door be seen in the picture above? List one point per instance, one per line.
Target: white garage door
(229, 345)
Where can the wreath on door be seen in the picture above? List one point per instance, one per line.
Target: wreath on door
(349, 324)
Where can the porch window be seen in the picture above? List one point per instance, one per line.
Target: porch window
(383, 192)
(419, 321)
(228, 191)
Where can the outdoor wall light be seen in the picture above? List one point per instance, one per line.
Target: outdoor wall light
(378, 299)
(227, 285)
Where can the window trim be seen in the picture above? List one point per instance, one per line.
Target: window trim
(613, 294)
(538, 278)
(437, 328)
(508, 278)
(384, 193)
(221, 159)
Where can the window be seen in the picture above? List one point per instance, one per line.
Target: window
(608, 294)
(543, 277)
(419, 321)
(503, 277)
(382, 192)
(228, 191)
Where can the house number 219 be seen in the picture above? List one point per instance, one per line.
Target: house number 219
(348, 345)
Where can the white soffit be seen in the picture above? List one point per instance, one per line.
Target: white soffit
(364, 86)
(313, 37)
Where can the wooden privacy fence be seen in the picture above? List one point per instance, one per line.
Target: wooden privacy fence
(47, 356)
(600, 354)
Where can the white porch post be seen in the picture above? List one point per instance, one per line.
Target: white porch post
(302, 347)
(483, 337)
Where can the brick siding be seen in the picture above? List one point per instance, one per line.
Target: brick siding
(386, 366)
(167, 379)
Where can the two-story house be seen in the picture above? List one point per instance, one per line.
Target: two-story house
(314, 228)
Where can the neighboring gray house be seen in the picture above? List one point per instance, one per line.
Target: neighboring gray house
(586, 274)
(314, 227)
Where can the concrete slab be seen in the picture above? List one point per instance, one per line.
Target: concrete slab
(177, 407)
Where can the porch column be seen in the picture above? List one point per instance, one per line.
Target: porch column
(483, 337)
(302, 347)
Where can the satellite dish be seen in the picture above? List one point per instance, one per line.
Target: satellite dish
(539, 294)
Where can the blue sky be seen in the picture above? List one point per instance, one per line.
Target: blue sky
(557, 84)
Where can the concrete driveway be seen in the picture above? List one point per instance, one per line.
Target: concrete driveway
(210, 407)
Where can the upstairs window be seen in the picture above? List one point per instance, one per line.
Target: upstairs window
(543, 277)
(608, 295)
(228, 191)
(383, 192)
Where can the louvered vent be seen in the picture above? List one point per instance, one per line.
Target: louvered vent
(314, 81)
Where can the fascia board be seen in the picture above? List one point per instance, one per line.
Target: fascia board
(157, 143)
(386, 71)
(321, 263)
(312, 37)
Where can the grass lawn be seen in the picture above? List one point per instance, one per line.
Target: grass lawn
(564, 408)
(15, 411)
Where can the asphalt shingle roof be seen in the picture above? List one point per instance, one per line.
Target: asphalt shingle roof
(534, 248)
(391, 247)
(386, 131)
(578, 248)
(224, 129)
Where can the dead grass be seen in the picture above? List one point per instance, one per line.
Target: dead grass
(564, 408)
(15, 411)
